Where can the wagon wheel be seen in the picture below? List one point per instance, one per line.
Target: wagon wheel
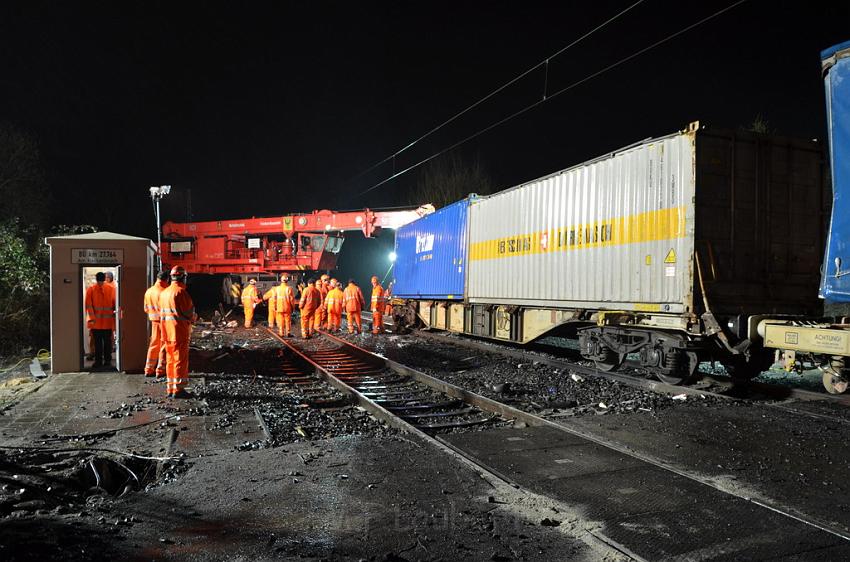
(684, 374)
(835, 384)
(611, 363)
(742, 370)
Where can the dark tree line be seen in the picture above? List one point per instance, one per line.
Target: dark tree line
(25, 220)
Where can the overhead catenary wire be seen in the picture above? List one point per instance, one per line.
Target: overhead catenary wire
(514, 80)
(551, 96)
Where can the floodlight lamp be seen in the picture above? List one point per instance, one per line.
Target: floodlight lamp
(157, 192)
(393, 256)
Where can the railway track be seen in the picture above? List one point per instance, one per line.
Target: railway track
(506, 437)
(782, 396)
(387, 385)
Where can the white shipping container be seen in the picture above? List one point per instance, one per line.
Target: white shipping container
(613, 233)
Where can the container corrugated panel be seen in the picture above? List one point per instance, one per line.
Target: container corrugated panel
(835, 286)
(431, 255)
(616, 233)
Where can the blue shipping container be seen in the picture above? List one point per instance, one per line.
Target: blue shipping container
(431, 255)
(836, 268)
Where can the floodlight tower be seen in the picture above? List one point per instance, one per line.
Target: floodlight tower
(157, 193)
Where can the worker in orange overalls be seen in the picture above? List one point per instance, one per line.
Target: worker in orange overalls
(177, 313)
(354, 303)
(388, 293)
(333, 303)
(284, 300)
(321, 318)
(377, 307)
(331, 285)
(250, 298)
(311, 299)
(155, 364)
(100, 319)
(270, 297)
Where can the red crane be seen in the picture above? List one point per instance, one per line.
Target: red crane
(300, 242)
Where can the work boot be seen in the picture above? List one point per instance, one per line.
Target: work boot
(182, 393)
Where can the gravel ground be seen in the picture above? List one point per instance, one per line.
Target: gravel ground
(350, 498)
(758, 449)
(347, 490)
(337, 485)
(242, 369)
(528, 385)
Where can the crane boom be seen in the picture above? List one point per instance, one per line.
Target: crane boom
(296, 242)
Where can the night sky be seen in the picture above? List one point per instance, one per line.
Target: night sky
(270, 108)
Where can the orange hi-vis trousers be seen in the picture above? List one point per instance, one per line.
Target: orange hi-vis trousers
(353, 320)
(177, 370)
(307, 320)
(320, 318)
(284, 323)
(272, 315)
(155, 363)
(334, 320)
(249, 314)
(377, 322)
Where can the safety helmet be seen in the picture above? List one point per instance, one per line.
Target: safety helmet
(163, 276)
(374, 279)
(178, 272)
(252, 281)
(284, 277)
(325, 277)
(334, 282)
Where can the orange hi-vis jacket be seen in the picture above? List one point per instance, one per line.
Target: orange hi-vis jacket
(270, 296)
(353, 298)
(323, 290)
(152, 300)
(377, 298)
(284, 299)
(177, 312)
(311, 299)
(334, 300)
(100, 307)
(249, 295)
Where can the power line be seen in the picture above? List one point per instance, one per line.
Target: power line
(497, 90)
(549, 97)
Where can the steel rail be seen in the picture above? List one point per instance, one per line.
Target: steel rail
(534, 420)
(422, 437)
(774, 391)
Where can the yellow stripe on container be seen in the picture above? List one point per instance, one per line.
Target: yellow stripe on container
(663, 224)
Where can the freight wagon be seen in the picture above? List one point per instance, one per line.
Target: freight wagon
(672, 249)
(825, 342)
